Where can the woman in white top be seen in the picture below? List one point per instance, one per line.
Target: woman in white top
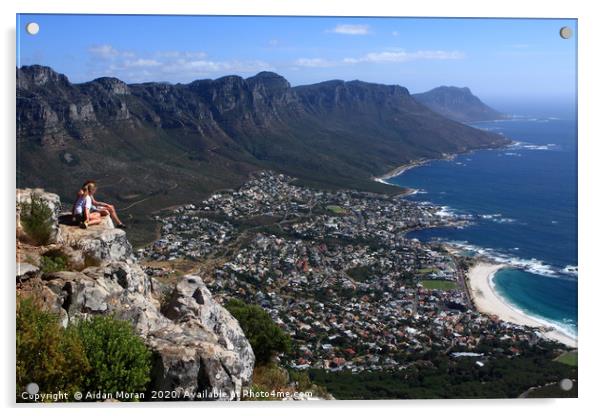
(102, 208)
(82, 209)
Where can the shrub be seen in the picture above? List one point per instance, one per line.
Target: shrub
(53, 261)
(265, 336)
(119, 359)
(46, 353)
(36, 219)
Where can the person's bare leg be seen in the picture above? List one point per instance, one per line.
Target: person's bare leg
(94, 218)
(113, 214)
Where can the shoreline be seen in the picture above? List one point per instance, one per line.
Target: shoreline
(488, 301)
(399, 170)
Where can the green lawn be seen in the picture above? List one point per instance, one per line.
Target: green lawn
(335, 209)
(427, 270)
(438, 284)
(568, 358)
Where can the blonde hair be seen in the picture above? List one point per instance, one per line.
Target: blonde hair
(89, 186)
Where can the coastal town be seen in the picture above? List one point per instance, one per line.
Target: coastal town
(336, 271)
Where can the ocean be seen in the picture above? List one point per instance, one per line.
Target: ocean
(522, 202)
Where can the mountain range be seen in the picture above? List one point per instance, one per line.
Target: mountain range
(154, 145)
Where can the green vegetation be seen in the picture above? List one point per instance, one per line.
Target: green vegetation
(36, 219)
(335, 209)
(438, 284)
(269, 378)
(266, 338)
(53, 261)
(427, 270)
(553, 391)
(501, 377)
(119, 359)
(47, 354)
(360, 273)
(100, 354)
(568, 358)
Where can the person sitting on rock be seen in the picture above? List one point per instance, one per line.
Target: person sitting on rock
(81, 210)
(103, 208)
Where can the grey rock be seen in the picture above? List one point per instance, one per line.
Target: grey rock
(26, 271)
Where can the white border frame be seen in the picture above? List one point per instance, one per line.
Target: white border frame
(590, 150)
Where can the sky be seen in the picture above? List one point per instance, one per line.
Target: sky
(499, 59)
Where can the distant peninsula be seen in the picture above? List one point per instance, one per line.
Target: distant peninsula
(458, 104)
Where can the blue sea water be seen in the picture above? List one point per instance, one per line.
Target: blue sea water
(523, 204)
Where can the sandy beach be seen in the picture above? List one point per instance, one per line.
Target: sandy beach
(488, 301)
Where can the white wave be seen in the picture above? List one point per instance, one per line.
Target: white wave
(517, 144)
(497, 218)
(445, 212)
(504, 220)
(572, 270)
(533, 265)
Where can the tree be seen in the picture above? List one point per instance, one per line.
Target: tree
(36, 219)
(266, 338)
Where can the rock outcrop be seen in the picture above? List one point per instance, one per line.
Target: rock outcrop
(198, 347)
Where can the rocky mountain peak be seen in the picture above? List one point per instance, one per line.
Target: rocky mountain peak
(112, 86)
(38, 75)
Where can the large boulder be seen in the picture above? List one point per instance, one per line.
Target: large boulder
(212, 347)
(100, 242)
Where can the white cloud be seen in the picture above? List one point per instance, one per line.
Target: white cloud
(314, 62)
(185, 66)
(403, 56)
(395, 33)
(142, 63)
(104, 51)
(180, 54)
(347, 29)
(175, 66)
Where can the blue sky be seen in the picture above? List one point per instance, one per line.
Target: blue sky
(499, 59)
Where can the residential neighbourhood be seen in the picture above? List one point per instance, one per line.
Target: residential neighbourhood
(337, 272)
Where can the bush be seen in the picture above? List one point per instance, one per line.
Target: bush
(265, 336)
(36, 219)
(47, 354)
(119, 359)
(99, 354)
(53, 261)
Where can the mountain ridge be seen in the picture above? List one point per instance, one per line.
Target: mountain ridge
(154, 145)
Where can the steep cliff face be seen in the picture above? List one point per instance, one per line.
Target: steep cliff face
(197, 345)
